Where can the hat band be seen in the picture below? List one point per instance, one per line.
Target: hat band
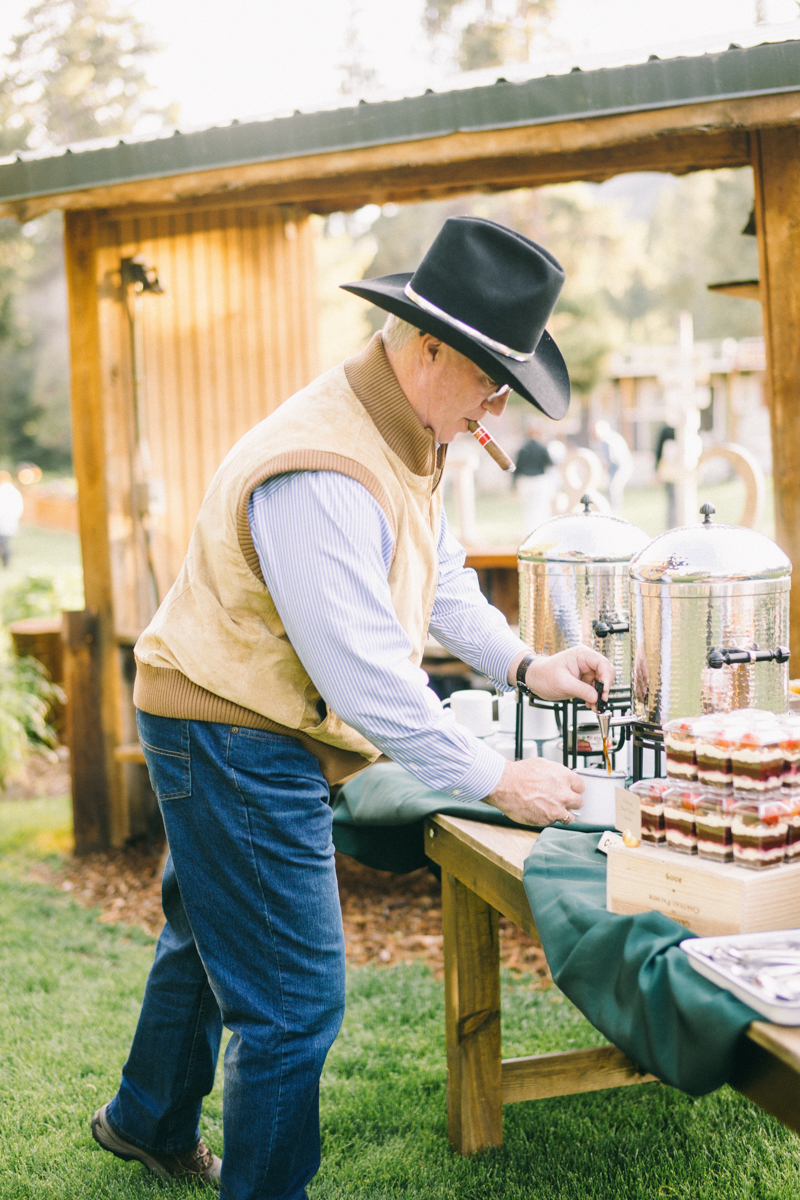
(517, 355)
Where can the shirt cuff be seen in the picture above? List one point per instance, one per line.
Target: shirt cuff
(498, 655)
(482, 776)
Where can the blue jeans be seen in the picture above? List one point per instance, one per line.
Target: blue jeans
(253, 941)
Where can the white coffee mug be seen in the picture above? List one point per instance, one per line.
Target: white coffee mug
(599, 798)
(506, 744)
(540, 723)
(553, 750)
(473, 710)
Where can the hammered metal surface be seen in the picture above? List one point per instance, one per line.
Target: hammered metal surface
(673, 627)
(710, 552)
(589, 537)
(559, 604)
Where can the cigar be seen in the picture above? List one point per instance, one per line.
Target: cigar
(490, 445)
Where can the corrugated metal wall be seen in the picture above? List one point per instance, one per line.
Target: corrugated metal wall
(233, 335)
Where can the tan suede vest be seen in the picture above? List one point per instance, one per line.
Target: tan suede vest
(216, 650)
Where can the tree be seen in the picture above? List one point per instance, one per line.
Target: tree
(356, 77)
(76, 72)
(487, 33)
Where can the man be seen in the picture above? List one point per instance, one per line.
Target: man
(668, 469)
(286, 658)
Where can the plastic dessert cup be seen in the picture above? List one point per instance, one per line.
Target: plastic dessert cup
(651, 806)
(680, 811)
(713, 752)
(790, 748)
(759, 833)
(714, 824)
(792, 802)
(757, 762)
(679, 743)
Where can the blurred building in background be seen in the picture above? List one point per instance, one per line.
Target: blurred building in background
(730, 376)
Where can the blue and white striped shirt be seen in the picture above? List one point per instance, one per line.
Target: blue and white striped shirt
(325, 547)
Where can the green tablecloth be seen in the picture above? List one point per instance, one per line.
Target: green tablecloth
(378, 817)
(627, 974)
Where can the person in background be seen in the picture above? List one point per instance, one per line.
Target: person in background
(533, 484)
(620, 462)
(11, 505)
(666, 451)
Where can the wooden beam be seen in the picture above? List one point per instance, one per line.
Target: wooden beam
(776, 167)
(742, 289)
(472, 1018)
(678, 154)
(689, 137)
(130, 752)
(88, 442)
(565, 1073)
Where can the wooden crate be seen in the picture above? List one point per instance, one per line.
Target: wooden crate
(708, 898)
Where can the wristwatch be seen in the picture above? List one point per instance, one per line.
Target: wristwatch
(522, 669)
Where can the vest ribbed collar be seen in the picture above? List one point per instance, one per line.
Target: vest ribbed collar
(375, 384)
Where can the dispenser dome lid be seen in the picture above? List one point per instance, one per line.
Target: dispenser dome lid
(584, 537)
(710, 553)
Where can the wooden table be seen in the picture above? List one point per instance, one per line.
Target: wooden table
(481, 879)
(496, 567)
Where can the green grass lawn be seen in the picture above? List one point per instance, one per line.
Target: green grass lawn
(47, 552)
(69, 1002)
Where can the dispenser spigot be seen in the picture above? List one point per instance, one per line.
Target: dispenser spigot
(603, 714)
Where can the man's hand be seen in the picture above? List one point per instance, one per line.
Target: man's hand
(569, 673)
(536, 791)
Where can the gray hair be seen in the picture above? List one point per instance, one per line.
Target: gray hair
(397, 333)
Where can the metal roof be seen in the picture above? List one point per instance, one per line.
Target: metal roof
(755, 71)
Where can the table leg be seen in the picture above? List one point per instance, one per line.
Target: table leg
(472, 1018)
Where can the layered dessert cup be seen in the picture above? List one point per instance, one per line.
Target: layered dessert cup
(793, 832)
(651, 807)
(680, 811)
(679, 743)
(714, 824)
(790, 748)
(759, 833)
(713, 753)
(757, 762)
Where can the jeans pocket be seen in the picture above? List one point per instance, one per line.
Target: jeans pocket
(170, 764)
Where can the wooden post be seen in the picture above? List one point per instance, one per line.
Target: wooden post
(776, 167)
(472, 1018)
(90, 812)
(89, 458)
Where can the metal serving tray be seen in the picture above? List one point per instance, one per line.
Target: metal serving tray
(754, 985)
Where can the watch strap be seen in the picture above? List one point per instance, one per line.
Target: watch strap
(522, 669)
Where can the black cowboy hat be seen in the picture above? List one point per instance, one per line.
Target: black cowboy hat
(488, 292)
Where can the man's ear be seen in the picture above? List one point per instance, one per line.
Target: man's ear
(431, 347)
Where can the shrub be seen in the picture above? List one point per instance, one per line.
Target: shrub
(33, 596)
(26, 696)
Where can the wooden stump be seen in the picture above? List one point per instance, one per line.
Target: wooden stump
(40, 638)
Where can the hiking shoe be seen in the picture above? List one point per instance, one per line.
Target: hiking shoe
(199, 1163)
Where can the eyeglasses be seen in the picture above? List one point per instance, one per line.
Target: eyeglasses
(499, 390)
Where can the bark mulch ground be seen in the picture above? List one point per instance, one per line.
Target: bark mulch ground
(387, 918)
